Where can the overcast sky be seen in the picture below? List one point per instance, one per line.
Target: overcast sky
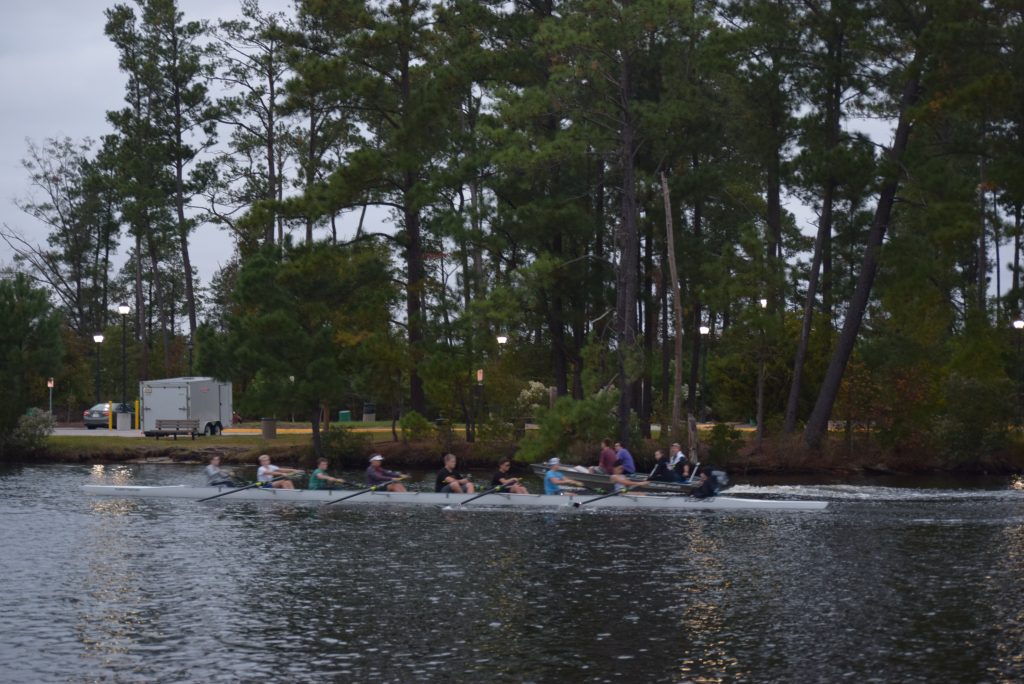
(59, 77)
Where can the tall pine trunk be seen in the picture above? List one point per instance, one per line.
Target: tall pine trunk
(817, 424)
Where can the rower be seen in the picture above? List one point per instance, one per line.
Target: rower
(319, 479)
(376, 476)
(502, 479)
(707, 484)
(267, 474)
(217, 477)
(606, 461)
(451, 480)
(620, 481)
(678, 462)
(662, 472)
(622, 454)
(554, 479)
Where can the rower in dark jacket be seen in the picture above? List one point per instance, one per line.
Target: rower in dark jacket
(708, 484)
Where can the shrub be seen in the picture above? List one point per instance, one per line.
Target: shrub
(415, 427)
(723, 443)
(974, 425)
(345, 446)
(33, 429)
(568, 423)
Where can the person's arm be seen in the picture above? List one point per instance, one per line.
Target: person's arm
(561, 479)
(328, 478)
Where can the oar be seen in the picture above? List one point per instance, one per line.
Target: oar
(577, 504)
(240, 489)
(363, 491)
(489, 491)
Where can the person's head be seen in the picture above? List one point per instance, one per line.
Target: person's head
(675, 448)
(618, 445)
(606, 442)
(554, 463)
(264, 459)
(377, 461)
(321, 463)
(215, 460)
(504, 465)
(449, 460)
(658, 455)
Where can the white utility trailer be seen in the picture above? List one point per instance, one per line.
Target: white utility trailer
(204, 403)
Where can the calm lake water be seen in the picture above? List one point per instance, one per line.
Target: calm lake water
(890, 584)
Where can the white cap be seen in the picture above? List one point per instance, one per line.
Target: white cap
(376, 457)
(553, 461)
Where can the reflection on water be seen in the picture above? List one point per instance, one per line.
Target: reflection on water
(888, 584)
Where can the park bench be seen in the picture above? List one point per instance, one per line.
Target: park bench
(175, 427)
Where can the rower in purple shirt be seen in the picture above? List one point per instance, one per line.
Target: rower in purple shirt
(628, 466)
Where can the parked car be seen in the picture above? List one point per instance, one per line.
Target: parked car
(98, 416)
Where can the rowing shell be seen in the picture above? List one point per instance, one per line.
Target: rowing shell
(322, 496)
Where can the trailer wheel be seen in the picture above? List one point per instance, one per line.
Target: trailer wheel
(209, 430)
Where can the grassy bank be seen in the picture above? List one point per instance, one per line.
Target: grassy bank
(732, 449)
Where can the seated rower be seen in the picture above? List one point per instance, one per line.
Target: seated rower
(662, 472)
(707, 484)
(217, 477)
(555, 479)
(267, 472)
(678, 462)
(606, 461)
(319, 479)
(377, 475)
(451, 480)
(508, 484)
(620, 480)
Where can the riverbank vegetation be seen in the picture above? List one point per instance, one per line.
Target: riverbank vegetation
(592, 216)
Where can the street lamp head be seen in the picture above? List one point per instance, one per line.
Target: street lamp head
(704, 330)
(123, 309)
(1018, 324)
(763, 302)
(97, 338)
(502, 339)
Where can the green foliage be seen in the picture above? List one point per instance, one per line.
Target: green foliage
(33, 429)
(306, 320)
(723, 443)
(345, 445)
(975, 423)
(568, 423)
(415, 428)
(30, 347)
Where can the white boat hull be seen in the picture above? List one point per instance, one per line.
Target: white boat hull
(319, 497)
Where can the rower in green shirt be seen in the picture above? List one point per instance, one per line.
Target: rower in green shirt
(319, 479)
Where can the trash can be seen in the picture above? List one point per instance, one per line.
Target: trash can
(344, 416)
(268, 426)
(369, 412)
(124, 420)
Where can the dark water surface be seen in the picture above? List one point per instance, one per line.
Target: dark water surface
(890, 584)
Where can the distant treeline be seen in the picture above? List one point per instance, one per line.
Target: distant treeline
(435, 204)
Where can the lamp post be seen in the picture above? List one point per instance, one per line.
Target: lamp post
(189, 357)
(760, 374)
(704, 332)
(98, 339)
(124, 309)
(1019, 325)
